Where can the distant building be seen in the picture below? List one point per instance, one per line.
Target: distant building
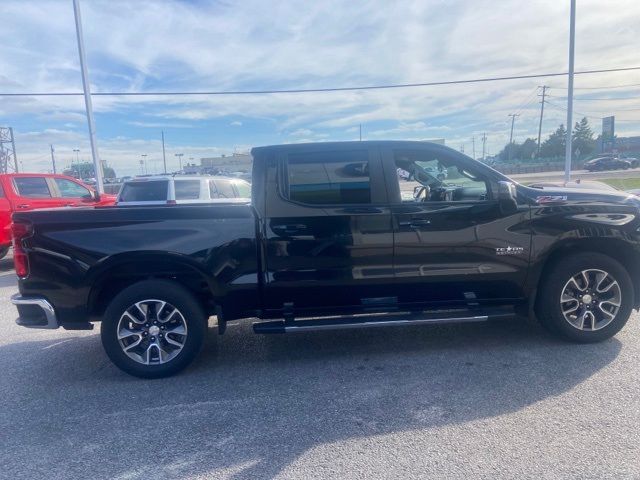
(238, 162)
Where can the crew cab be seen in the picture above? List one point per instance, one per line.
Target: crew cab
(30, 191)
(333, 239)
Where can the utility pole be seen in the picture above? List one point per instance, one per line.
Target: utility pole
(572, 44)
(164, 157)
(544, 92)
(8, 156)
(53, 159)
(473, 143)
(87, 98)
(360, 132)
(513, 119)
(144, 162)
(462, 148)
(484, 144)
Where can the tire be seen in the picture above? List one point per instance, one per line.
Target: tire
(177, 337)
(565, 281)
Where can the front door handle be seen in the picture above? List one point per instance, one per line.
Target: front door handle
(289, 229)
(24, 205)
(414, 222)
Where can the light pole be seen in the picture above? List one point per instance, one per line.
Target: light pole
(572, 43)
(77, 150)
(180, 155)
(144, 162)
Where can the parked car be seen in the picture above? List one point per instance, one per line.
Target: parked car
(607, 163)
(30, 191)
(328, 243)
(171, 190)
(634, 162)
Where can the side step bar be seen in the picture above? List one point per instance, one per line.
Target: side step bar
(376, 320)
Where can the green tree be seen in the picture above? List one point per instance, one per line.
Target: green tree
(555, 144)
(582, 138)
(519, 151)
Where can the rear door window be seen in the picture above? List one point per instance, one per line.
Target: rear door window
(32, 187)
(187, 189)
(155, 191)
(225, 189)
(329, 178)
(243, 188)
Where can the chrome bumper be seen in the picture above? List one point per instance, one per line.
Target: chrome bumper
(48, 321)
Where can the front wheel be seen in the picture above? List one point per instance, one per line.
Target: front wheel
(153, 329)
(585, 298)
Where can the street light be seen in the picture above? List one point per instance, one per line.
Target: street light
(77, 150)
(179, 155)
(144, 162)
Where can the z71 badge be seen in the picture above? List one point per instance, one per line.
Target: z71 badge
(509, 250)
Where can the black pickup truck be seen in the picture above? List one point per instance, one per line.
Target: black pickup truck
(337, 235)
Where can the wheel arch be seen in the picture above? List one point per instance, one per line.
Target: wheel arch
(621, 251)
(121, 271)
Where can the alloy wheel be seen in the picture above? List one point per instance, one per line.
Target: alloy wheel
(152, 332)
(590, 300)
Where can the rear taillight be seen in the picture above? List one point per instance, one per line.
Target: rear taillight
(20, 231)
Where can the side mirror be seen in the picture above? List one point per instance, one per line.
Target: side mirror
(507, 197)
(93, 196)
(418, 192)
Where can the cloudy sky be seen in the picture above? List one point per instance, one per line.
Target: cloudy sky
(171, 45)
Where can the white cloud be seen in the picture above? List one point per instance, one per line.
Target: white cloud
(236, 123)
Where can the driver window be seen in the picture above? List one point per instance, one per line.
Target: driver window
(429, 177)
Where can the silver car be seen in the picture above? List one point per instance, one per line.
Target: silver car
(183, 189)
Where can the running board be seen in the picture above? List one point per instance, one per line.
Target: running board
(375, 320)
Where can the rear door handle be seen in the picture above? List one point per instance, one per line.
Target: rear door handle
(414, 222)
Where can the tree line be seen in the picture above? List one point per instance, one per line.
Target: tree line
(554, 145)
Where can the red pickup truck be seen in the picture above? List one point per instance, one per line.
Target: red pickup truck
(20, 192)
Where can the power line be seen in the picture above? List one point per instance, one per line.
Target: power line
(601, 88)
(598, 99)
(555, 105)
(319, 90)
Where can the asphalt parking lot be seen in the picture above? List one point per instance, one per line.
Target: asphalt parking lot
(500, 400)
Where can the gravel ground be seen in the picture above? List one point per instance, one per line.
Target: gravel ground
(499, 400)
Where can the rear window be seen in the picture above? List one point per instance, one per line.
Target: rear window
(35, 187)
(155, 191)
(187, 189)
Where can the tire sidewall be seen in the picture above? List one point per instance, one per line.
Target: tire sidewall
(164, 290)
(549, 302)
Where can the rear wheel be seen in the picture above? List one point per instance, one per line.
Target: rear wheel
(586, 298)
(153, 329)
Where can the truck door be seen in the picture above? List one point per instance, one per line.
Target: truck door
(453, 244)
(329, 240)
(70, 193)
(32, 192)
(5, 220)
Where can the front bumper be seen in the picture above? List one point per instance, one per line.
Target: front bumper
(34, 312)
